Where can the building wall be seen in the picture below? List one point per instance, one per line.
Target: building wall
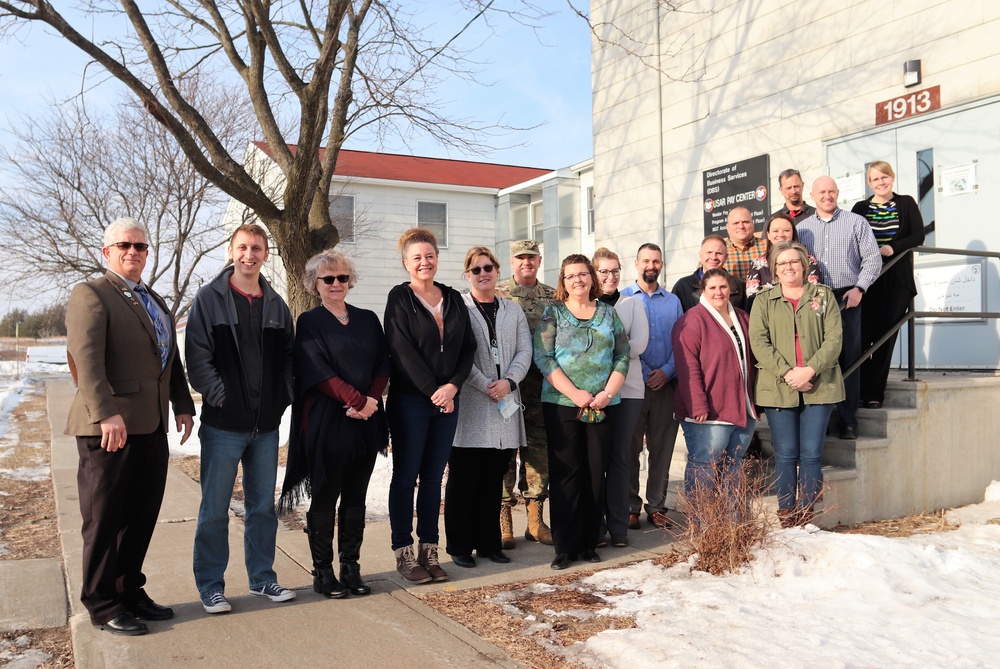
(383, 211)
(721, 81)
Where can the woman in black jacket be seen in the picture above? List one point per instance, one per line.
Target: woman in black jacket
(898, 226)
(431, 350)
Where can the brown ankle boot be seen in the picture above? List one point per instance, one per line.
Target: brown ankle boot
(408, 568)
(537, 529)
(428, 559)
(506, 527)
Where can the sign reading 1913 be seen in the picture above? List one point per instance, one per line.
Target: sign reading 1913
(905, 106)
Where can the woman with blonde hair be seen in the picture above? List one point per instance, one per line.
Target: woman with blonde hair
(431, 351)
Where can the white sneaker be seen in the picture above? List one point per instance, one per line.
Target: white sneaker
(274, 592)
(216, 603)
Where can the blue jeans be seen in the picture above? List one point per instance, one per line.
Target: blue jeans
(707, 445)
(421, 444)
(798, 435)
(221, 452)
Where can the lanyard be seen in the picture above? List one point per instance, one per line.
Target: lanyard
(491, 327)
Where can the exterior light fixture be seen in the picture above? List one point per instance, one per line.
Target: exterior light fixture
(911, 73)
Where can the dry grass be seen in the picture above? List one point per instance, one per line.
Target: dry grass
(532, 621)
(54, 642)
(907, 526)
(30, 529)
(728, 521)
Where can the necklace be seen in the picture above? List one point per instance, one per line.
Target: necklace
(343, 319)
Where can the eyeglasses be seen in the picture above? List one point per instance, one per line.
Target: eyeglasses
(476, 271)
(573, 277)
(787, 263)
(125, 246)
(342, 278)
(605, 272)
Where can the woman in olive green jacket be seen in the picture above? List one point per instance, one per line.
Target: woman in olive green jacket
(796, 336)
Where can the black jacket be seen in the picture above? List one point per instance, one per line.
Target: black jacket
(421, 360)
(216, 370)
(910, 235)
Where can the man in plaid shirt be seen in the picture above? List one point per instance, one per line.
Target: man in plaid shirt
(742, 245)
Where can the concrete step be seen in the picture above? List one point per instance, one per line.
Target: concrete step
(874, 422)
(837, 453)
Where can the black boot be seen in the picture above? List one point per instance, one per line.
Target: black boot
(319, 527)
(351, 534)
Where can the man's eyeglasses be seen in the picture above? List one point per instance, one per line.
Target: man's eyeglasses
(125, 246)
(342, 278)
(476, 271)
(605, 272)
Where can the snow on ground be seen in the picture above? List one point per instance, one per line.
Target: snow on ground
(817, 599)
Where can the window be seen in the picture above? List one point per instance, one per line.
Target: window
(925, 192)
(590, 210)
(434, 215)
(342, 216)
(537, 220)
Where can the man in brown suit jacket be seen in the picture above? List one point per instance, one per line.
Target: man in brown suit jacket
(123, 354)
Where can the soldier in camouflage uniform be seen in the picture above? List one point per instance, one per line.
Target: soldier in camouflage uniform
(533, 296)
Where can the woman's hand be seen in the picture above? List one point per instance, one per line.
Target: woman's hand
(444, 394)
(800, 378)
(600, 400)
(701, 418)
(581, 398)
(498, 390)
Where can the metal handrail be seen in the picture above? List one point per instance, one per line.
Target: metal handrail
(911, 315)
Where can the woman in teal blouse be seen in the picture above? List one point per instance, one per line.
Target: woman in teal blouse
(583, 353)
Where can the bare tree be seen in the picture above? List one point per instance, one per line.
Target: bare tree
(313, 71)
(75, 173)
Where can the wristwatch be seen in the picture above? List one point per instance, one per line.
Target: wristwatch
(513, 384)
(610, 396)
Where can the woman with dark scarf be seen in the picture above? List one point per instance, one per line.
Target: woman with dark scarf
(339, 425)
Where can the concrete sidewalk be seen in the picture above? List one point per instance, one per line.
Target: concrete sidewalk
(391, 626)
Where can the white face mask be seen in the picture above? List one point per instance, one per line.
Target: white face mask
(509, 406)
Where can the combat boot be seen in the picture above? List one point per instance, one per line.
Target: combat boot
(537, 529)
(506, 527)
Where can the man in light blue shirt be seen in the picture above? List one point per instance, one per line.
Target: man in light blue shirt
(656, 422)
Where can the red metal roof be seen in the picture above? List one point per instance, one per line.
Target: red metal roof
(397, 167)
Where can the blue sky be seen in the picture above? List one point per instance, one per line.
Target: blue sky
(539, 78)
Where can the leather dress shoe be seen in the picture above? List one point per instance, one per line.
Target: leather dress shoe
(144, 608)
(848, 432)
(497, 557)
(590, 555)
(659, 519)
(561, 561)
(466, 561)
(125, 625)
(633, 521)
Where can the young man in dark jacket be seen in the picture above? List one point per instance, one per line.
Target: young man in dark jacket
(239, 350)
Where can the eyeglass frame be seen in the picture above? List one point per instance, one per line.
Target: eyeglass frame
(141, 247)
(343, 279)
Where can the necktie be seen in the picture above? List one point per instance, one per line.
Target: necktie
(162, 337)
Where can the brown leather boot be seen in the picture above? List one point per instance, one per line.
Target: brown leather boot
(537, 529)
(428, 559)
(408, 568)
(506, 527)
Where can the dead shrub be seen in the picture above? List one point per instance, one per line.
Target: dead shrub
(728, 520)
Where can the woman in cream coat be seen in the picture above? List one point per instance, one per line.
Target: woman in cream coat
(490, 424)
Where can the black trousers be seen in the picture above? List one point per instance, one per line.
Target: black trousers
(349, 484)
(884, 306)
(472, 499)
(578, 460)
(120, 497)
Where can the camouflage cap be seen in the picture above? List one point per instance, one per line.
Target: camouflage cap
(524, 247)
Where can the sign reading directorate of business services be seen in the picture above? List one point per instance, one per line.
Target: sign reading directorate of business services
(740, 184)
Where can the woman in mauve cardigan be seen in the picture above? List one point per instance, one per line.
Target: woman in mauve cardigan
(714, 400)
